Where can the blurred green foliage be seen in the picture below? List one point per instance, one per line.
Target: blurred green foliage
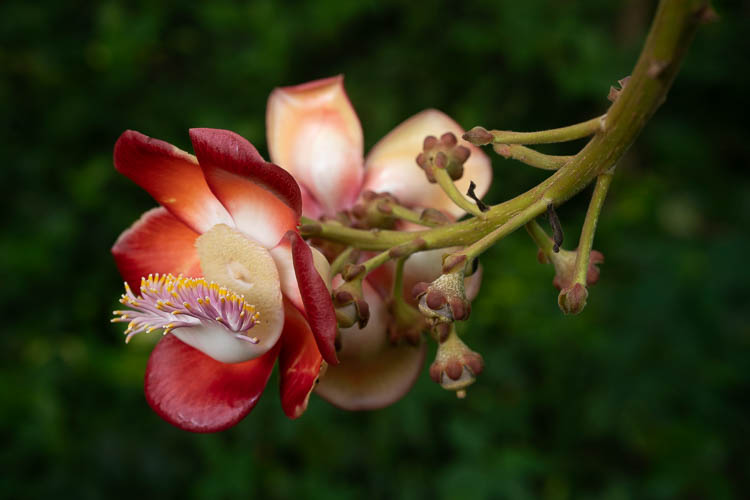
(644, 395)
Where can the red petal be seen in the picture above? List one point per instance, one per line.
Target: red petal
(156, 243)
(196, 393)
(316, 298)
(264, 200)
(299, 362)
(172, 177)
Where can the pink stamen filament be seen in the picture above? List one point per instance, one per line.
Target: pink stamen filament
(168, 302)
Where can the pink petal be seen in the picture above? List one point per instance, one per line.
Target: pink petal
(299, 363)
(314, 133)
(196, 393)
(310, 207)
(316, 298)
(156, 243)
(372, 372)
(391, 165)
(172, 177)
(263, 199)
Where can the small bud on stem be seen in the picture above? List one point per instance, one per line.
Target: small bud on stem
(455, 366)
(444, 300)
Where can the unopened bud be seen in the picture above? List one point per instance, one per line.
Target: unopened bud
(445, 154)
(478, 136)
(444, 300)
(565, 261)
(374, 211)
(434, 216)
(572, 300)
(350, 305)
(455, 366)
(353, 271)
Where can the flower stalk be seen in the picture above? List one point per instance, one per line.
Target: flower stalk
(531, 157)
(480, 137)
(586, 240)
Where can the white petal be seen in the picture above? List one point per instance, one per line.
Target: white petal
(245, 267)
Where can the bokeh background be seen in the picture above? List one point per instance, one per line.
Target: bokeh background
(644, 395)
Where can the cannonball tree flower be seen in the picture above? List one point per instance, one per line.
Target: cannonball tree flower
(315, 134)
(222, 270)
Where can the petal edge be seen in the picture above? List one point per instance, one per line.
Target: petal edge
(196, 393)
(316, 297)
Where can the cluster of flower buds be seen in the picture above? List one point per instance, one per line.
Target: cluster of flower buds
(443, 153)
(442, 303)
(455, 366)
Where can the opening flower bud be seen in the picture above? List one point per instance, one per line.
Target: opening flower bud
(444, 300)
(455, 366)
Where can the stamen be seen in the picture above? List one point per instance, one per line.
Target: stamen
(156, 307)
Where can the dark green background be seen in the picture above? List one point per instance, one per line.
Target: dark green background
(644, 395)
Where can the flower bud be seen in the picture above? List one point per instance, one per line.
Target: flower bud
(455, 366)
(572, 300)
(444, 300)
(434, 216)
(564, 262)
(478, 136)
(350, 304)
(375, 210)
(443, 153)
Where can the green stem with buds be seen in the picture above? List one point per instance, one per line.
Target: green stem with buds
(672, 30)
(562, 134)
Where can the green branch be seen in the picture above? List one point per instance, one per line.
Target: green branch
(672, 30)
